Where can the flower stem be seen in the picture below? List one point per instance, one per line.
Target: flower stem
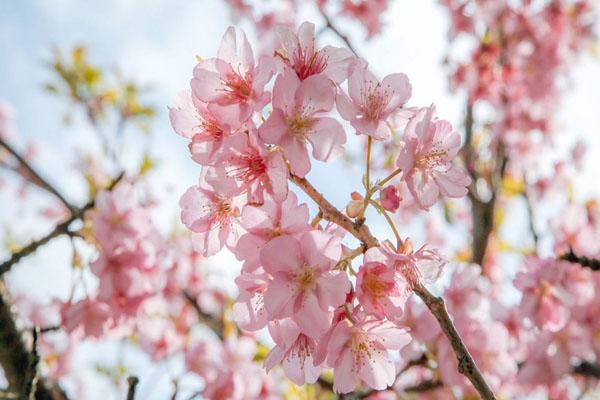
(392, 225)
(390, 177)
(367, 182)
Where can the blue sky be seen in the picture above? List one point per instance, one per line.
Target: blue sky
(155, 42)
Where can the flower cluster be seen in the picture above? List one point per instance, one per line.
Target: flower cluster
(368, 13)
(297, 277)
(519, 53)
(127, 267)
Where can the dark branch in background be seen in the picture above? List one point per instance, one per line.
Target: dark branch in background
(215, 325)
(132, 383)
(16, 357)
(32, 374)
(533, 231)
(60, 229)
(37, 178)
(591, 263)
(587, 369)
(331, 26)
(424, 386)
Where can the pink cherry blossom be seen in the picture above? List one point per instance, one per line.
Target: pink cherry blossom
(299, 52)
(213, 217)
(294, 350)
(390, 200)
(368, 12)
(423, 266)
(89, 317)
(359, 353)
(372, 102)
(545, 299)
(265, 222)
(232, 84)
(118, 220)
(381, 291)
(430, 145)
(305, 287)
(249, 309)
(297, 117)
(250, 168)
(208, 131)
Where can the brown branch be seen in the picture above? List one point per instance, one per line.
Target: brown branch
(587, 369)
(132, 383)
(15, 356)
(36, 177)
(331, 26)
(215, 325)
(424, 386)
(466, 364)
(60, 229)
(530, 212)
(32, 374)
(591, 263)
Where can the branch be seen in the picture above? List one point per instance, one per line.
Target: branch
(424, 386)
(32, 374)
(132, 382)
(60, 229)
(587, 369)
(215, 325)
(37, 178)
(591, 263)
(331, 26)
(15, 356)
(466, 364)
(534, 234)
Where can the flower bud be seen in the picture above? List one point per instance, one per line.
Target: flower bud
(389, 198)
(355, 206)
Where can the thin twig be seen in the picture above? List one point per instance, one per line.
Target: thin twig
(30, 386)
(132, 383)
(60, 229)
(466, 364)
(587, 369)
(215, 325)
(331, 26)
(38, 179)
(591, 263)
(424, 386)
(533, 231)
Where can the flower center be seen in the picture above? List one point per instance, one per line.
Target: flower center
(376, 287)
(431, 159)
(306, 278)
(299, 125)
(250, 166)
(237, 87)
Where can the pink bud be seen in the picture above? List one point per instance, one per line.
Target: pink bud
(389, 198)
(355, 206)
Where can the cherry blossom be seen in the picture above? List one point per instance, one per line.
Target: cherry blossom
(208, 133)
(430, 145)
(297, 117)
(232, 84)
(213, 218)
(305, 287)
(423, 266)
(359, 352)
(371, 102)
(299, 52)
(265, 222)
(294, 350)
(381, 291)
